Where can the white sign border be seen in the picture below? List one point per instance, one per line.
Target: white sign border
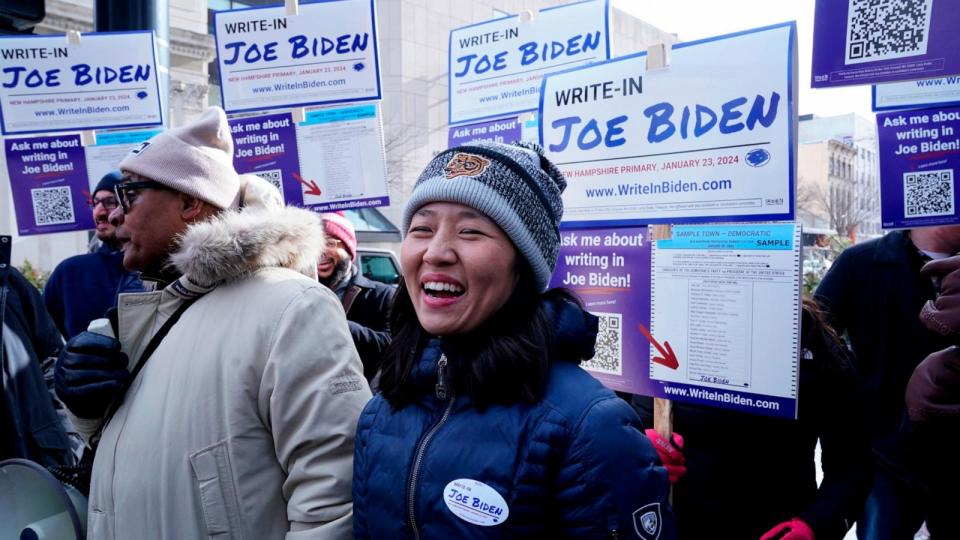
(156, 78)
(792, 98)
(376, 64)
(903, 106)
(451, 123)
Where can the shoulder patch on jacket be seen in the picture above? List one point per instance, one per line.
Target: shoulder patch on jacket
(647, 521)
(346, 383)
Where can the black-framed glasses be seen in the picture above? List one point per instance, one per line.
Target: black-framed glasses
(128, 192)
(109, 202)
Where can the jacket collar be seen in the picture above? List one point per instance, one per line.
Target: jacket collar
(892, 247)
(574, 337)
(574, 331)
(106, 249)
(235, 243)
(364, 282)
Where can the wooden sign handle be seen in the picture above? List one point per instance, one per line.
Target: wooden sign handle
(663, 417)
(662, 408)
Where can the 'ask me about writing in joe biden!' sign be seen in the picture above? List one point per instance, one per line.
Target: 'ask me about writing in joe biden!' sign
(325, 54)
(107, 80)
(507, 130)
(700, 140)
(496, 66)
(609, 269)
(919, 157)
(48, 178)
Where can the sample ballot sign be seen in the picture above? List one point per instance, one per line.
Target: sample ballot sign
(726, 298)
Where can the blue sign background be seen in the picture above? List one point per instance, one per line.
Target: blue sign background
(830, 67)
(919, 158)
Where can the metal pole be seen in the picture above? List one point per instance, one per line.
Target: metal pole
(110, 15)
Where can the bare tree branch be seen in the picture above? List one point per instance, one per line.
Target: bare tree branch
(842, 207)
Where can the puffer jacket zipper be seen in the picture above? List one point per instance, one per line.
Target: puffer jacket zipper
(441, 391)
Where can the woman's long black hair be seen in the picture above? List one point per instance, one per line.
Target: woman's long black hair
(817, 335)
(505, 360)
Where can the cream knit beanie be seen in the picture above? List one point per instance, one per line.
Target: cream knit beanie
(196, 159)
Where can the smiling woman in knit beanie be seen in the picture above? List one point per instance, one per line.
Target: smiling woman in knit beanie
(489, 426)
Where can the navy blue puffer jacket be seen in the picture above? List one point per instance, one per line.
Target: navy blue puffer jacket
(573, 465)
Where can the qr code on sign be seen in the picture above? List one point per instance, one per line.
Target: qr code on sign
(609, 352)
(52, 206)
(928, 193)
(887, 29)
(275, 177)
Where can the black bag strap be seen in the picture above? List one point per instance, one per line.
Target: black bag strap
(158, 337)
(147, 353)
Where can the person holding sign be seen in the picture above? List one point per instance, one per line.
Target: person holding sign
(873, 293)
(486, 427)
(740, 475)
(933, 405)
(221, 407)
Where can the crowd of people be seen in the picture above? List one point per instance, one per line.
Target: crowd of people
(219, 366)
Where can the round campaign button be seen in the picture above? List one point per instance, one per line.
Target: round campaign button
(475, 502)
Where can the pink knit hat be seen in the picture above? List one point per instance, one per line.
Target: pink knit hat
(196, 159)
(339, 227)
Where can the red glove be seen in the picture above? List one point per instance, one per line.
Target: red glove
(795, 529)
(670, 454)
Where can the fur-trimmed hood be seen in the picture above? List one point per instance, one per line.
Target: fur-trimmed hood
(236, 243)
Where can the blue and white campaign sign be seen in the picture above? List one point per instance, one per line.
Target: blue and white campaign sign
(107, 80)
(939, 91)
(325, 54)
(496, 66)
(702, 140)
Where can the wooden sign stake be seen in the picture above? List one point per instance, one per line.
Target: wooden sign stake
(658, 57)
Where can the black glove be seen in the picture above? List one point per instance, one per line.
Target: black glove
(91, 372)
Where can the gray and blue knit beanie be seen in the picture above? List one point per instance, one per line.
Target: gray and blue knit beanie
(512, 184)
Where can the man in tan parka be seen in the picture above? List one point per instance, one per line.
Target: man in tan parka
(241, 422)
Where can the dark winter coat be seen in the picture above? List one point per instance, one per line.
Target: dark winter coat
(29, 425)
(573, 465)
(874, 293)
(369, 318)
(83, 287)
(933, 403)
(747, 473)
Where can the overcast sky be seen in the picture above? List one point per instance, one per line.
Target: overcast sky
(695, 19)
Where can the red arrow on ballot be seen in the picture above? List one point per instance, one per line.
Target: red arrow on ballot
(667, 356)
(312, 187)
